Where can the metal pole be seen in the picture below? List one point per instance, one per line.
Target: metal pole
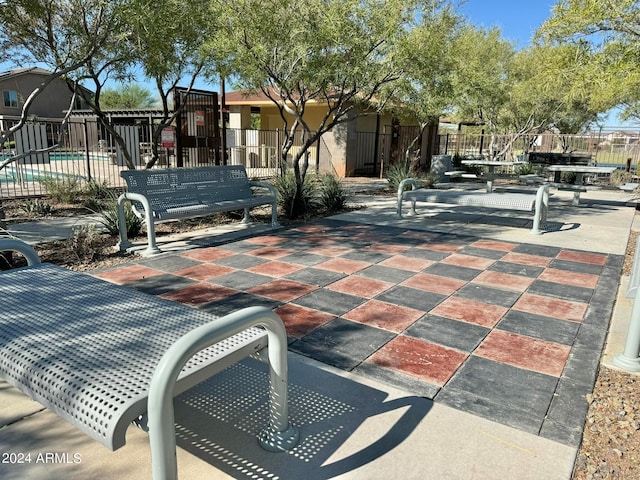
(86, 148)
(223, 137)
(629, 359)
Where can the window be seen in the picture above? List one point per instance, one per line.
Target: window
(10, 98)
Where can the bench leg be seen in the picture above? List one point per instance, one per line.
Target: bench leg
(541, 210)
(124, 243)
(278, 436)
(576, 199)
(399, 208)
(246, 220)
(274, 214)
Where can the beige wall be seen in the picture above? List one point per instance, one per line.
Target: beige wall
(270, 118)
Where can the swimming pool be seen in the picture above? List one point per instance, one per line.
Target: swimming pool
(10, 174)
(69, 156)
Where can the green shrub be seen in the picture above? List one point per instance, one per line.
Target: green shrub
(97, 191)
(619, 176)
(65, 189)
(524, 169)
(85, 242)
(399, 171)
(429, 179)
(285, 186)
(109, 218)
(333, 197)
(36, 208)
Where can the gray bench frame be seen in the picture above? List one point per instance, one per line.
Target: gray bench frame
(179, 193)
(54, 353)
(537, 203)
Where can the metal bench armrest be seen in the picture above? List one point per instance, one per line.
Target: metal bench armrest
(278, 436)
(11, 244)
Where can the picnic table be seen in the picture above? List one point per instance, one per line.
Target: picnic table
(579, 170)
(578, 184)
(491, 165)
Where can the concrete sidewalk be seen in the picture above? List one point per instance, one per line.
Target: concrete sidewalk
(356, 428)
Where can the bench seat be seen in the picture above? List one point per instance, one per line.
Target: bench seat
(537, 203)
(173, 194)
(101, 355)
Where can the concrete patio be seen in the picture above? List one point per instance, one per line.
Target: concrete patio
(360, 414)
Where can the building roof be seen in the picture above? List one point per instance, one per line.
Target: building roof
(249, 97)
(23, 71)
(123, 112)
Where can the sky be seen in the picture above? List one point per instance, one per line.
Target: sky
(517, 20)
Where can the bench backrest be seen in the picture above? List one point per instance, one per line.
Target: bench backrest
(175, 187)
(552, 158)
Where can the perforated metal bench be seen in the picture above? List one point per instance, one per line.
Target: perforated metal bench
(101, 355)
(178, 193)
(538, 203)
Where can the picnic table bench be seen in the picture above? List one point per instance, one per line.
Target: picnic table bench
(100, 355)
(537, 203)
(577, 187)
(178, 193)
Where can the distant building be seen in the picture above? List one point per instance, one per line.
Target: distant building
(17, 85)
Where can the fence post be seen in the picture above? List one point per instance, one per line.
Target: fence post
(86, 147)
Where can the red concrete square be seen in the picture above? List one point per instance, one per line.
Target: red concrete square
(132, 273)
(504, 280)
(316, 240)
(311, 228)
(270, 252)
(441, 247)
(384, 315)
(208, 254)
(469, 261)
(434, 283)
(582, 257)
(389, 248)
(283, 290)
(551, 307)
(199, 294)
(526, 259)
(204, 271)
(275, 268)
(426, 361)
(330, 250)
(299, 321)
(470, 311)
(494, 245)
(524, 352)
(407, 263)
(566, 277)
(360, 286)
(265, 240)
(342, 265)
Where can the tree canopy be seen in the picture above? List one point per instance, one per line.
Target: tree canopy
(610, 32)
(339, 53)
(93, 42)
(128, 96)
